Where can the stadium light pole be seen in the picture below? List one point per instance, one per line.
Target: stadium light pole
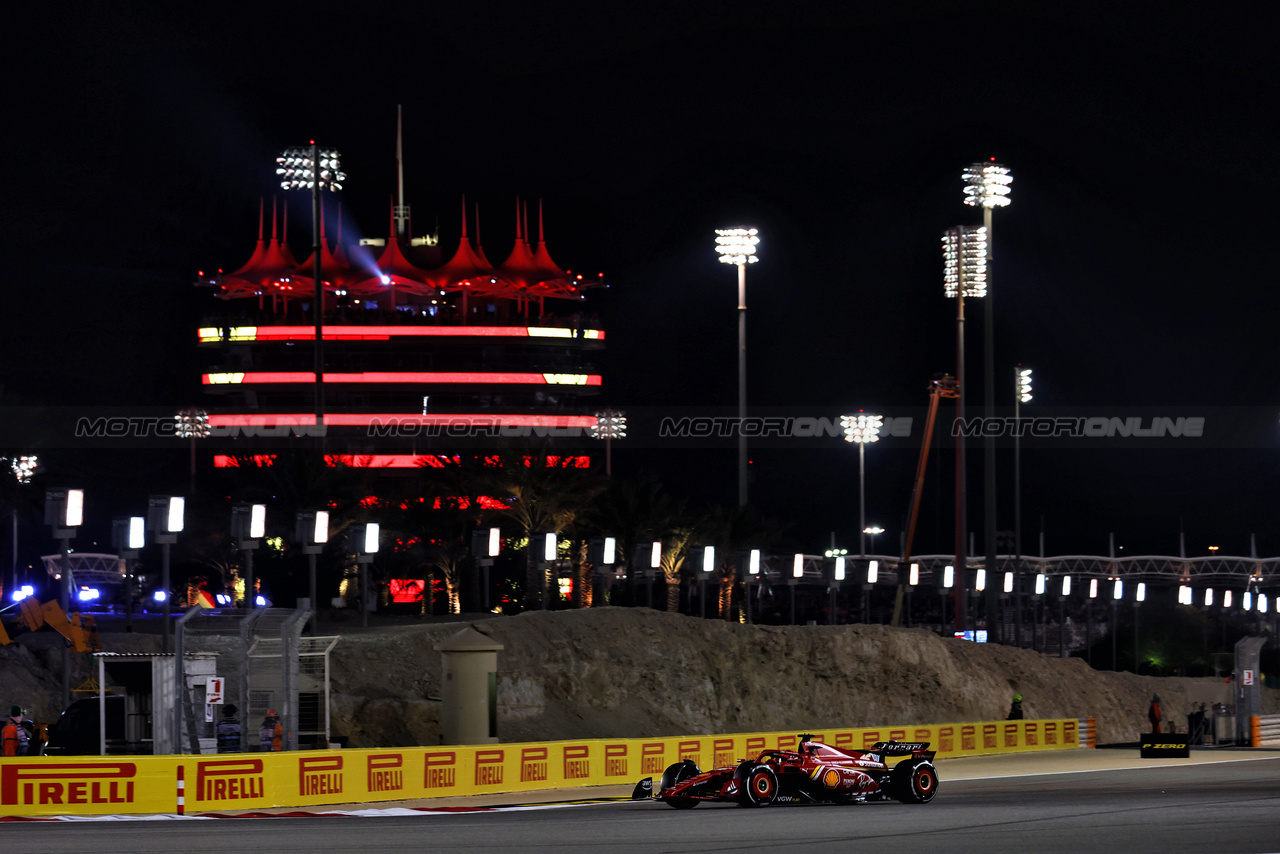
(23, 467)
(248, 527)
(872, 532)
(64, 513)
(128, 536)
(737, 246)
(964, 257)
(861, 429)
(610, 424)
(1021, 395)
(986, 185)
(312, 531)
(365, 539)
(313, 169)
(165, 519)
(192, 423)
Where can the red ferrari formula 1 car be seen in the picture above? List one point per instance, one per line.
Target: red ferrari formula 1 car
(815, 773)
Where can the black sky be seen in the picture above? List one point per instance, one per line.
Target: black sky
(1135, 267)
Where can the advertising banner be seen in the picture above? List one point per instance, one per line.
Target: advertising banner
(251, 781)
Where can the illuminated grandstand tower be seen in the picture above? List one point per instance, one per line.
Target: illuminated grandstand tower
(413, 347)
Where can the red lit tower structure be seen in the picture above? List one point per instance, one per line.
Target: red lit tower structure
(414, 345)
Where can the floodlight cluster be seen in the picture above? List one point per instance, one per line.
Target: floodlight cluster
(986, 185)
(297, 170)
(610, 424)
(23, 467)
(862, 428)
(192, 424)
(964, 257)
(1024, 385)
(737, 245)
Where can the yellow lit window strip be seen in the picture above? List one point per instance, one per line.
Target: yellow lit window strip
(235, 333)
(565, 379)
(225, 379)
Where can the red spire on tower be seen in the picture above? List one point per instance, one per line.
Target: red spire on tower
(466, 267)
(393, 269)
(546, 267)
(519, 269)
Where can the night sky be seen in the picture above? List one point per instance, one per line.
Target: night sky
(1134, 272)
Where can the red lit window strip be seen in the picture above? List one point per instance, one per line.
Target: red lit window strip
(227, 461)
(361, 419)
(382, 333)
(405, 461)
(398, 377)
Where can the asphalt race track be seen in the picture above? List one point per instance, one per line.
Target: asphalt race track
(1224, 806)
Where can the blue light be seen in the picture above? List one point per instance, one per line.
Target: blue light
(23, 592)
(261, 600)
(88, 594)
(159, 596)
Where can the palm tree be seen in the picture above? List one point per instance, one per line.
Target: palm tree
(551, 499)
(636, 512)
(445, 504)
(675, 548)
(291, 480)
(731, 531)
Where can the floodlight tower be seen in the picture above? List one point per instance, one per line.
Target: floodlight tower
(986, 185)
(964, 257)
(1021, 395)
(192, 423)
(861, 429)
(872, 532)
(23, 467)
(610, 424)
(737, 246)
(313, 169)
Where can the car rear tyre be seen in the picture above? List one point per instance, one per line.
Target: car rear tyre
(762, 787)
(915, 781)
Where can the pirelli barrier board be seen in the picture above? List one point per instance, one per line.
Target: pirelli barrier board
(216, 783)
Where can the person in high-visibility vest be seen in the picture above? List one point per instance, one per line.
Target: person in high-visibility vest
(14, 735)
(1153, 713)
(271, 733)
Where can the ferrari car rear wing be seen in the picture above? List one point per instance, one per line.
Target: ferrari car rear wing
(899, 748)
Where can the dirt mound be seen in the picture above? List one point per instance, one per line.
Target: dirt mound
(634, 672)
(614, 672)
